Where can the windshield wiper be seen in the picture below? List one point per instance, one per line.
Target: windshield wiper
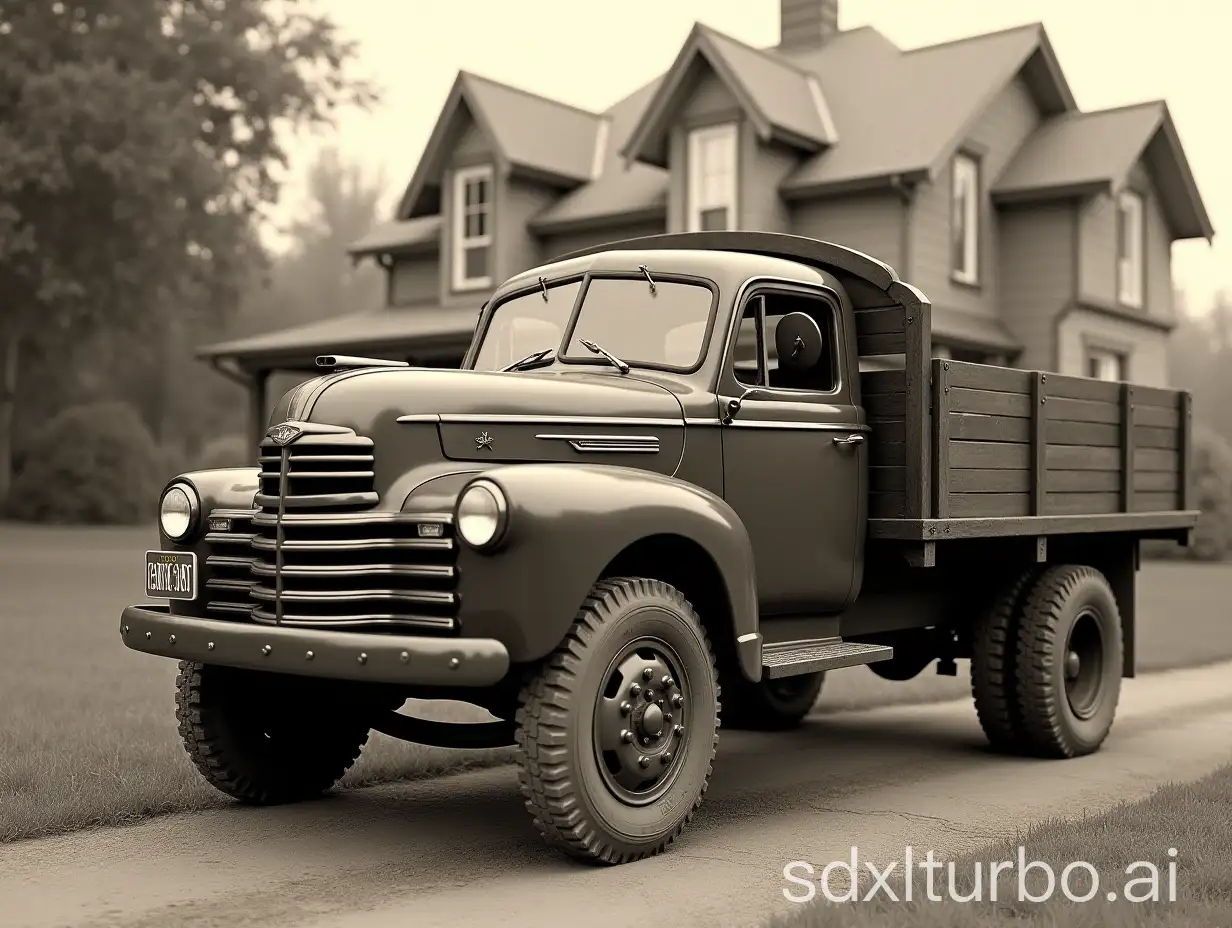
(597, 349)
(531, 360)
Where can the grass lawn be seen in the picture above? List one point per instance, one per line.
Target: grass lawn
(1194, 819)
(87, 729)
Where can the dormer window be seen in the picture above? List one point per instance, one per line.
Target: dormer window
(712, 178)
(472, 228)
(965, 220)
(1129, 250)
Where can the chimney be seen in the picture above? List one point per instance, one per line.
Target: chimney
(805, 24)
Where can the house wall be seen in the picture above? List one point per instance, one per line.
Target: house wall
(517, 249)
(1146, 349)
(994, 139)
(707, 102)
(555, 246)
(472, 148)
(870, 222)
(761, 169)
(414, 280)
(1035, 270)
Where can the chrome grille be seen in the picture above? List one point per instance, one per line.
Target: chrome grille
(229, 563)
(325, 471)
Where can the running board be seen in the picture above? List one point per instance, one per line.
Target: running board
(793, 658)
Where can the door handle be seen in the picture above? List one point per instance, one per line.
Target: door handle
(850, 441)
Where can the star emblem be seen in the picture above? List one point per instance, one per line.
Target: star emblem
(483, 442)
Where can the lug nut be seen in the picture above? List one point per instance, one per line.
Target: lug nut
(679, 730)
(667, 716)
(645, 741)
(625, 708)
(647, 673)
(636, 689)
(668, 681)
(643, 762)
(626, 736)
(666, 757)
(677, 701)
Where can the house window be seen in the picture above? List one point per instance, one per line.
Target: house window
(1130, 249)
(472, 228)
(965, 220)
(1106, 365)
(712, 178)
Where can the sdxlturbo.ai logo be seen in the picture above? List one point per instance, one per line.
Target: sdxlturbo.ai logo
(1028, 880)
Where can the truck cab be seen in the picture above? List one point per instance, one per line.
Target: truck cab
(675, 477)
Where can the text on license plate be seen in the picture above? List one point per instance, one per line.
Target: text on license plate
(171, 574)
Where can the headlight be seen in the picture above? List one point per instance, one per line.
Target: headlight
(177, 513)
(482, 514)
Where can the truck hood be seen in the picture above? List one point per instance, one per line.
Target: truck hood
(551, 415)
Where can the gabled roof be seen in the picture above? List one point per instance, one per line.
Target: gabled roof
(397, 236)
(534, 135)
(1095, 152)
(781, 100)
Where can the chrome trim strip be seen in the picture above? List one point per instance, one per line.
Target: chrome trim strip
(232, 513)
(785, 425)
(357, 518)
(544, 419)
(610, 444)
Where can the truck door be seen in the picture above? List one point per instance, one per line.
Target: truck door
(794, 453)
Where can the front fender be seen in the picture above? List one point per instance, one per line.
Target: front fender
(566, 524)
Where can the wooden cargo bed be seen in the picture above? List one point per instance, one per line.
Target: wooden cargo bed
(1014, 452)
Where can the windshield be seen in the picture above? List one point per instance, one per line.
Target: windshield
(526, 324)
(662, 326)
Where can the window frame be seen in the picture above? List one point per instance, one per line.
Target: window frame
(966, 164)
(489, 311)
(758, 292)
(462, 177)
(695, 202)
(1119, 358)
(1131, 281)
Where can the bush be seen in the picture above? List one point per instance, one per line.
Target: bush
(226, 451)
(1212, 487)
(90, 464)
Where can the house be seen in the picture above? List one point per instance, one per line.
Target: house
(1041, 234)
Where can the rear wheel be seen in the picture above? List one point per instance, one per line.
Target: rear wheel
(994, 666)
(770, 705)
(617, 732)
(263, 738)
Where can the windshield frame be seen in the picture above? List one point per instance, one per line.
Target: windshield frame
(488, 313)
(676, 278)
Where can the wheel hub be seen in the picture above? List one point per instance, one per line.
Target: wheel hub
(1082, 666)
(640, 722)
(1073, 665)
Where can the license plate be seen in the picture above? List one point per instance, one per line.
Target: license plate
(171, 574)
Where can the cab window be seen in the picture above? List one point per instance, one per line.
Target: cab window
(756, 356)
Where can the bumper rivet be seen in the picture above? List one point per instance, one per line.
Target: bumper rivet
(363, 658)
(454, 663)
(148, 636)
(404, 656)
(266, 650)
(171, 639)
(126, 629)
(210, 646)
(308, 655)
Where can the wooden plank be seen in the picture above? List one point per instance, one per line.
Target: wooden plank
(1082, 388)
(883, 321)
(882, 382)
(986, 454)
(1157, 417)
(1039, 443)
(1071, 457)
(941, 439)
(886, 505)
(1155, 502)
(1094, 434)
(917, 368)
(1184, 457)
(973, 427)
(1160, 397)
(870, 346)
(987, 505)
(1157, 481)
(978, 480)
(1077, 504)
(889, 430)
(889, 454)
(1156, 459)
(1127, 447)
(1067, 410)
(989, 403)
(1083, 481)
(1146, 437)
(989, 377)
(886, 479)
(886, 405)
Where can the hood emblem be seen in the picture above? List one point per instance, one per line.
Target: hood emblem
(284, 434)
(483, 442)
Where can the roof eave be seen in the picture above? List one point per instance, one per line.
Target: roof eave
(889, 180)
(1201, 226)
(597, 221)
(1042, 192)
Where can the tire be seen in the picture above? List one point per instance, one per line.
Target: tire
(770, 705)
(579, 771)
(1068, 705)
(994, 666)
(266, 739)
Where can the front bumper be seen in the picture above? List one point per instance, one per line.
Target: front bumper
(338, 655)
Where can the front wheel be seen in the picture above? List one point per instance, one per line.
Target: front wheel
(617, 732)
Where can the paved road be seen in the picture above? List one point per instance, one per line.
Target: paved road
(462, 852)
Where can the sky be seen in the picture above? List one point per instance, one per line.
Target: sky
(591, 54)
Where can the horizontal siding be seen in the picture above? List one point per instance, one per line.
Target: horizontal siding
(994, 139)
(871, 223)
(554, 246)
(1158, 291)
(762, 168)
(415, 280)
(1097, 249)
(517, 201)
(1146, 349)
(1036, 267)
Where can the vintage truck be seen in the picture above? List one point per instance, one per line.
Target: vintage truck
(670, 468)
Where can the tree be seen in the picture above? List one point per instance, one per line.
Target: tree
(138, 147)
